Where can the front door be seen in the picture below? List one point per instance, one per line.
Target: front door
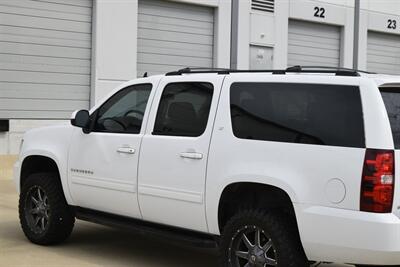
(103, 164)
(174, 153)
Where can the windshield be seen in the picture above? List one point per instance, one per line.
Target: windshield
(391, 97)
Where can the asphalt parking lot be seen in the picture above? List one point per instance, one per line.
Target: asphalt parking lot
(90, 245)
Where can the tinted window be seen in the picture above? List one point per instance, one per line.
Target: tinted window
(391, 97)
(184, 109)
(124, 111)
(298, 113)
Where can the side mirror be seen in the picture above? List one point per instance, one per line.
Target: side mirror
(81, 119)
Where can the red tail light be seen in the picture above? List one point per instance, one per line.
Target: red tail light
(377, 185)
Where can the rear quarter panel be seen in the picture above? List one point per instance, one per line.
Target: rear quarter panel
(303, 171)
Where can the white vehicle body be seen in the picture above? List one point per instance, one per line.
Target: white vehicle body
(179, 181)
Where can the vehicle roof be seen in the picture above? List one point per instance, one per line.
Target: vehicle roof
(296, 71)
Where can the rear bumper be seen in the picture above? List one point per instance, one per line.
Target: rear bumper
(346, 236)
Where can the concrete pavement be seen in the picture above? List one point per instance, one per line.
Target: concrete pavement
(90, 245)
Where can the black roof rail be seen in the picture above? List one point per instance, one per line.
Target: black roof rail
(333, 68)
(293, 69)
(199, 70)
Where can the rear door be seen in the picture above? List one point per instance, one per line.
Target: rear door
(174, 152)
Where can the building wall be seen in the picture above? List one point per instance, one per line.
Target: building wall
(271, 29)
(114, 38)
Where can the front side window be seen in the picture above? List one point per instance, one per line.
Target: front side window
(298, 113)
(184, 109)
(124, 111)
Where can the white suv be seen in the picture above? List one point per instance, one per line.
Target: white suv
(277, 168)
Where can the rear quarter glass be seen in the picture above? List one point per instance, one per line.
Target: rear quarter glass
(318, 114)
(391, 98)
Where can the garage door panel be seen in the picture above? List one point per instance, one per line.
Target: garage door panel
(180, 60)
(387, 43)
(45, 23)
(176, 22)
(173, 11)
(62, 35)
(174, 28)
(313, 44)
(37, 114)
(313, 50)
(11, 38)
(384, 68)
(44, 91)
(44, 50)
(44, 77)
(174, 35)
(382, 49)
(178, 6)
(44, 13)
(50, 61)
(143, 43)
(44, 68)
(298, 38)
(383, 53)
(82, 3)
(41, 104)
(312, 60)
(317, 30)
(384, 59)
(174, 52)
(46, 5)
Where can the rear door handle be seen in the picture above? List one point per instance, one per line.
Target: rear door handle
(191, 155)
(126, 150)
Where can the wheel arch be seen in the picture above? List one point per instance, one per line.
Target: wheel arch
(245, 194)
(37, 162)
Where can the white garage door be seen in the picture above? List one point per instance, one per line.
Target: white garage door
(383, 53)
(313, 44)
(45, 55)
(174, 35)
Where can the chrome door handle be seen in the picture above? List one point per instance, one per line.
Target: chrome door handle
(126, 150)
(191, 155)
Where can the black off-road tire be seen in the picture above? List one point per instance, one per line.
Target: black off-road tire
(283, 233)
(60, 217)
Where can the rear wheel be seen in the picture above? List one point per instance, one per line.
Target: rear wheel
(44, 214)
(260, 239)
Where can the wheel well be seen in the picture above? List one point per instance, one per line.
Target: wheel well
(36, 164)
(240, 196)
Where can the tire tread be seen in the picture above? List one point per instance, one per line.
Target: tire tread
(59, 229)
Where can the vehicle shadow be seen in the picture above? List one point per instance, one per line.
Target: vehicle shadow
(107, 246)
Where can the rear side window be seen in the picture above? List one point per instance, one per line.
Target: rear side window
(391, 97)
(317, 114)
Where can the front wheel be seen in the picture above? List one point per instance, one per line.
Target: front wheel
(259, 239)
(44, 214)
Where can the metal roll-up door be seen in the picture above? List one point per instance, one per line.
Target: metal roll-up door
(383, 53)
(45, 58)
(313, 44)
(174, 35)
